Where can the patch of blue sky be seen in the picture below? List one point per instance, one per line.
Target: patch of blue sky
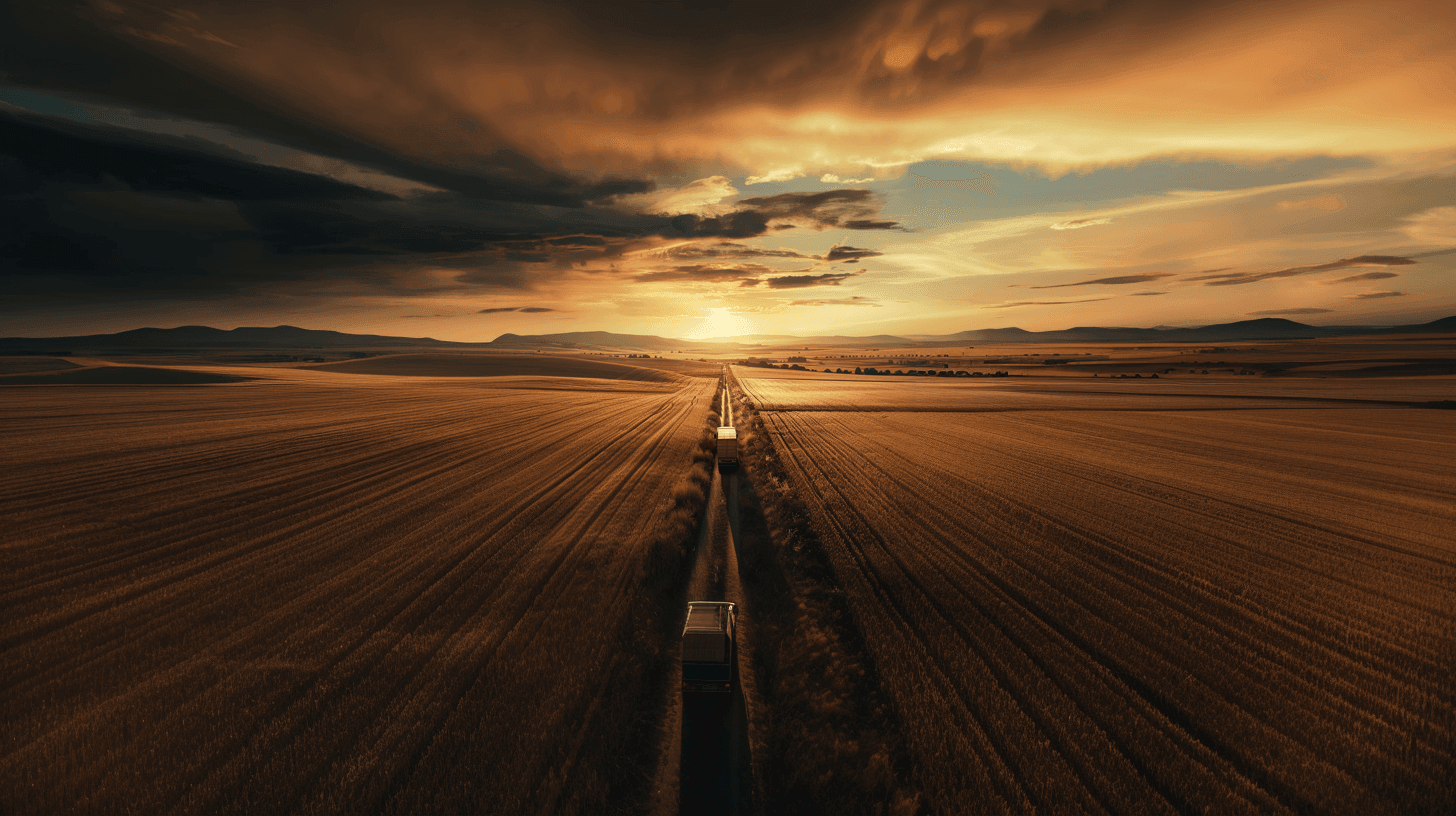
(939, 195)
(934, 195)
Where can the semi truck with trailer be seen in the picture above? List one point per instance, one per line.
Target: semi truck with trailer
(727, 447)
(709, 648)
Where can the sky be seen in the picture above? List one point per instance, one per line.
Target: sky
(460, 170)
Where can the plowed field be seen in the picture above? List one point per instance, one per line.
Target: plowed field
(496, 365)
(1143, 611)
(802, 391)
(322, 592)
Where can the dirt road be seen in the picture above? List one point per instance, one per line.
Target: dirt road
(707, 765)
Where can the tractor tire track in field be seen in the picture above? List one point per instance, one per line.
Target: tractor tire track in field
(1084, 612)
(323, 594)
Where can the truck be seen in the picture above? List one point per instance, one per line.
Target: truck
(709, 648)
(727, 446)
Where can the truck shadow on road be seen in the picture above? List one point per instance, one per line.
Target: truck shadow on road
(715, 773)
(715, 777)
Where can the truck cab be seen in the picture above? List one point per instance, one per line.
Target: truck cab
(709, 648)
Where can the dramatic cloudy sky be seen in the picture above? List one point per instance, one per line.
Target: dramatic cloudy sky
(461, 169)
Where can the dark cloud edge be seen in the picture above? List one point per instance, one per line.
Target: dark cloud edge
(303, 223)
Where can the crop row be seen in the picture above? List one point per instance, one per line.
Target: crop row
(779, 390)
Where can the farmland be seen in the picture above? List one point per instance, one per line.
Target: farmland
(1186, 597)
(334, 591)
(797, 390)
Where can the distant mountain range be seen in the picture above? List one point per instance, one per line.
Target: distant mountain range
(1269, 328)
(292, 337)
(816, 340)
(596, 339)
(206, 337)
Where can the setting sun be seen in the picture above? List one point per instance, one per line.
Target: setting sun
(722, 322)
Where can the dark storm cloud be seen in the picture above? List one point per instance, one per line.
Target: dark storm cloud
(728, 249)
(55, 150)
(118, 210)
(712, 273)
(574, 241)
(1145, 294)
(1117, 281)
(522, 309)
(69, 48)
(102, 210)
(742, 224)
(1365, 277)
(831, 209)
(93, 210)
(487, 271)
(1309, 310)
(804, 281)
(849, 253)
(1237, 278)
(1374, 295)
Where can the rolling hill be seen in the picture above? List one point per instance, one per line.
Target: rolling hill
(495, 365)
(291, 337)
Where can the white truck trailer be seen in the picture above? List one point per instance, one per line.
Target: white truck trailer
(727, 446)
(709, 647)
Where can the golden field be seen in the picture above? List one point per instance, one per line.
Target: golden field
(1171, 598)
(428, 582)
(332, 591)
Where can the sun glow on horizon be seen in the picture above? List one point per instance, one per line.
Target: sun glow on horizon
(721, 322)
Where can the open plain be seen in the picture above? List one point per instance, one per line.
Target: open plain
(1182, 596)
(424, 582)
(332, 591)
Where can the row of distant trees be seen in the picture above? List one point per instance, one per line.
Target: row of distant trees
(770, 364)
(915, 372)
